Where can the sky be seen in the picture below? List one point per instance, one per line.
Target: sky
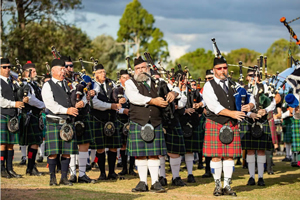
(190, 24)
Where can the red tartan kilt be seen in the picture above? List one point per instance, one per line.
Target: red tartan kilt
(213, 147)
(272, 128)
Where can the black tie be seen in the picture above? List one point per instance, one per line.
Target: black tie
(62, 85)
(102, 87)
(225, 88)
(9, 83)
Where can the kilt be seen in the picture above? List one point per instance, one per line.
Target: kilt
(138, 147)
(174, 139)
(100, 140)
(213, 147)
(250, 143)
(55, 145)
(31, 134)
(287, 129)
(272, 128)
(87, 136)
(195, 142)
(296, 135)
(6, 136)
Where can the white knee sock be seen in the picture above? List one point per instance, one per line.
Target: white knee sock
(82, 158)
(251, 165)
(93, 155)
(73, 164)
(175, 166)
(162, 167)
(228, 167)
(288, 150)
(216, 170)
(42, 149)
(142, 167)
(23, 150)
(189, 158)
(261, 160)
(153, 166)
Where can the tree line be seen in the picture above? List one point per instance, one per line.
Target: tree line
(36, 25)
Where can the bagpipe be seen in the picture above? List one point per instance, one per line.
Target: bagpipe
(162, 91)
(242, 97)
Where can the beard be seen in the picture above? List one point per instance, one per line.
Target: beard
(141, 77)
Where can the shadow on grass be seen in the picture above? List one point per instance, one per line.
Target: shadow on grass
(271, 181)
(63, 193)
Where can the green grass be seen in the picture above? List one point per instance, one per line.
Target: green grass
(284, 184)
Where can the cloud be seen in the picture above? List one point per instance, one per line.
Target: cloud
(102, 26)
(177, 51)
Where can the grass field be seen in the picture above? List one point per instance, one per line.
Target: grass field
(284, 184)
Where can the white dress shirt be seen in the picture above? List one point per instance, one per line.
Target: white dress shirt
(33, 101)
(98, 104)
(48, 99)
(5, 103)
(211, 99)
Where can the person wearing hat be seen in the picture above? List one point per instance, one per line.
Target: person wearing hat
(9, 109)
(222, 114)
(69, 67)
(31, 135)
(59, 138)
(106, 133)
(123, 117)
(250, 142)
(145, 116)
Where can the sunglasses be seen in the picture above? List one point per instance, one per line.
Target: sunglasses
(4, 67)
(193, 84)
(250, 75)
(220, 68)
(209, 78)
(69, 66)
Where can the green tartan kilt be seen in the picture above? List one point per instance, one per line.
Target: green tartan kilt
(296, 135)
(287, 129)
(31, 134)
(6, 136)
(250, 143)
(55, 145)
(174, 139)
(100, 140)
(195, 142)
(138, 147)
(87, 136)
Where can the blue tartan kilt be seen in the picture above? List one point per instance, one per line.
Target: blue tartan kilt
(55, 145)
(250, 143)
(102, 141)
(6, 136)
(138, 147)
(195, 142)
(87, 136)
(31, 134)
(174, 139)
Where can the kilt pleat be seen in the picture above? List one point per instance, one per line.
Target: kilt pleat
(287, 129)
(250, 143)
(296, 135)
(195, 142)
(213, 147)
(55, 145)
(272, 128)
(100, 140)
(6, 136)
(137, 147)
(31, 134)
(174, 139)
(87, 136)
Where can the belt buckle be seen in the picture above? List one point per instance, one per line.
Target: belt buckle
(62, 121)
